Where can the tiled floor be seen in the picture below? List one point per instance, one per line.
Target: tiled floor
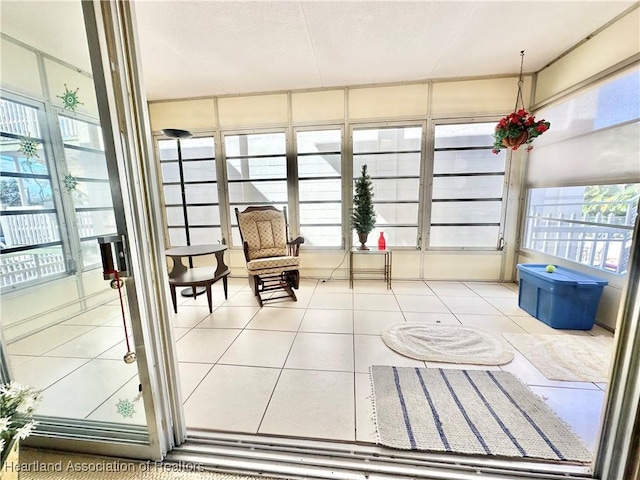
(290, 368)
(301, 368)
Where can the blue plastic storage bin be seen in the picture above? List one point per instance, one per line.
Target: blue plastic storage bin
(563, 299)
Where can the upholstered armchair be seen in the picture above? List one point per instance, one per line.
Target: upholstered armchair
(272, 260)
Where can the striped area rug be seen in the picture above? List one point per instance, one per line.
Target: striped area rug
(468, 411)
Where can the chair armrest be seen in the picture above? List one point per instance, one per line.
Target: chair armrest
(294, 246)
(245, 247)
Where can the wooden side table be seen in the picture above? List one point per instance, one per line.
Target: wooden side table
(181, 276)
(386, 270)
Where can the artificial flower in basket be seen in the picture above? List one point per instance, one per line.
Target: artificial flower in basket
(17, 404)
(516, 129)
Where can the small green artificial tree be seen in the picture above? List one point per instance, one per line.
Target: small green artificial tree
(363, 216)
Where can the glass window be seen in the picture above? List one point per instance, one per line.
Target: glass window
(591, 225)
(90, 191)
(393, 159)
(468, 184)
(197, 173)
(256, 173)
(30, 237)
(319, 159)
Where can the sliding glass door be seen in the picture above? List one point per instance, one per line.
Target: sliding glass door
(75, 322)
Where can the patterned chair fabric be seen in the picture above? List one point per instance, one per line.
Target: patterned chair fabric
(265, 233)
(274, 262)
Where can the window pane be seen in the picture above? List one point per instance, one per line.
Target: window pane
(170, 172)
(468, 161)
(464, 135)
(256, 168)
(206, 215)
(199, 171)
(255, 144)
(86, 164)
(258, 192)
(466, 212)
(319, 166)
(314, 213)
(29, 229)
(321, 236)
(96, 223)
(80, 134)
(202, 236)
(388, 164)
(467, 187)
(319, 141)
(30, 194)
(13, 160)
(25, 192)
(92, 194)
(404, 189)
(592, 225)
(172, 194)
(203, 193)
(320, 190)
(168, 149)
(394, 213)
(396, 236)
(193, 171)
(464, 236)
(201, 147)
(177, 237)
(90, 251)
(381, 146)
(387, 139)
(30, 265)
(19, 119)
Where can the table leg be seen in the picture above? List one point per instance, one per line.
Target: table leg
(224, 284)
(173, 298)
(208, 288)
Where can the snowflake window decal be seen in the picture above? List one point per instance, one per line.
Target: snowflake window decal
(70, 99)
(125, 408)
(70, 182)
(29, 148)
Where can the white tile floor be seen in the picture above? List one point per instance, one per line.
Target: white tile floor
(290, 368)
(301, 368)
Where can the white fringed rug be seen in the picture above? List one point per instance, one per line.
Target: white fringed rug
(447, 343)
(468, 411)
(570, 358)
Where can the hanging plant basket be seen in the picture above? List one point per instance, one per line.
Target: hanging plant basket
(515, 142)
(519, 127)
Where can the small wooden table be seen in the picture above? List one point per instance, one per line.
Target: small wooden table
(181, 276)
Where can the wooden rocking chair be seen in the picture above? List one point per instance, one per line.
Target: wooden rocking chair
(272, 260)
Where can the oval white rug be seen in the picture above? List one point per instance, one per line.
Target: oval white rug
(447, 343)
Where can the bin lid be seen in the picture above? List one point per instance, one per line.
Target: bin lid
(561, 275)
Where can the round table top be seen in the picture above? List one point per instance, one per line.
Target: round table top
(195, 250)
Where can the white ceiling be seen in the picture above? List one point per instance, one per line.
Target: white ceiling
(202, 48)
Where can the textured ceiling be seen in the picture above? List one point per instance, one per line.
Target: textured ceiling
(201, 48)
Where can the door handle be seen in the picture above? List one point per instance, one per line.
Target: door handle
(113, 252)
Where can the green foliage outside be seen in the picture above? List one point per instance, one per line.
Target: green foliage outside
(9, 193)
(608, 199)
(363, 216)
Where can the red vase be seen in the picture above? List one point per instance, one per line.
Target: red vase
(382, 243)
